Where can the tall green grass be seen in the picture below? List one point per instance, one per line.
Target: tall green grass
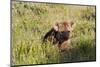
(30, 22)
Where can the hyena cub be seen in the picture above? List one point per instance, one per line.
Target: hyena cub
(60, 34)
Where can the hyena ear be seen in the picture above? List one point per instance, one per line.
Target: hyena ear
(72, 23)
(55, 27)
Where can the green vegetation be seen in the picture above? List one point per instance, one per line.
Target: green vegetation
(30, 22)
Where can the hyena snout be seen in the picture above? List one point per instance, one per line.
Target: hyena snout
(61, 37)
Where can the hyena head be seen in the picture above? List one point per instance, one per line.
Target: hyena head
(59, 33)
(63, 31)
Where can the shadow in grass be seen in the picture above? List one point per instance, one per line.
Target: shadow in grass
(79, 54)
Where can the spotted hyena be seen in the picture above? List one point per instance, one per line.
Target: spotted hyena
(60, 34)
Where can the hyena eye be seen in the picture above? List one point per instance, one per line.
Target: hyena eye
(64, 33)
(68, 31)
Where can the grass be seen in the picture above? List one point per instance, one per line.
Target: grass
(30, 22)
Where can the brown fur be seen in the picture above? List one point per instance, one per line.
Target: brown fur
(60, 34)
